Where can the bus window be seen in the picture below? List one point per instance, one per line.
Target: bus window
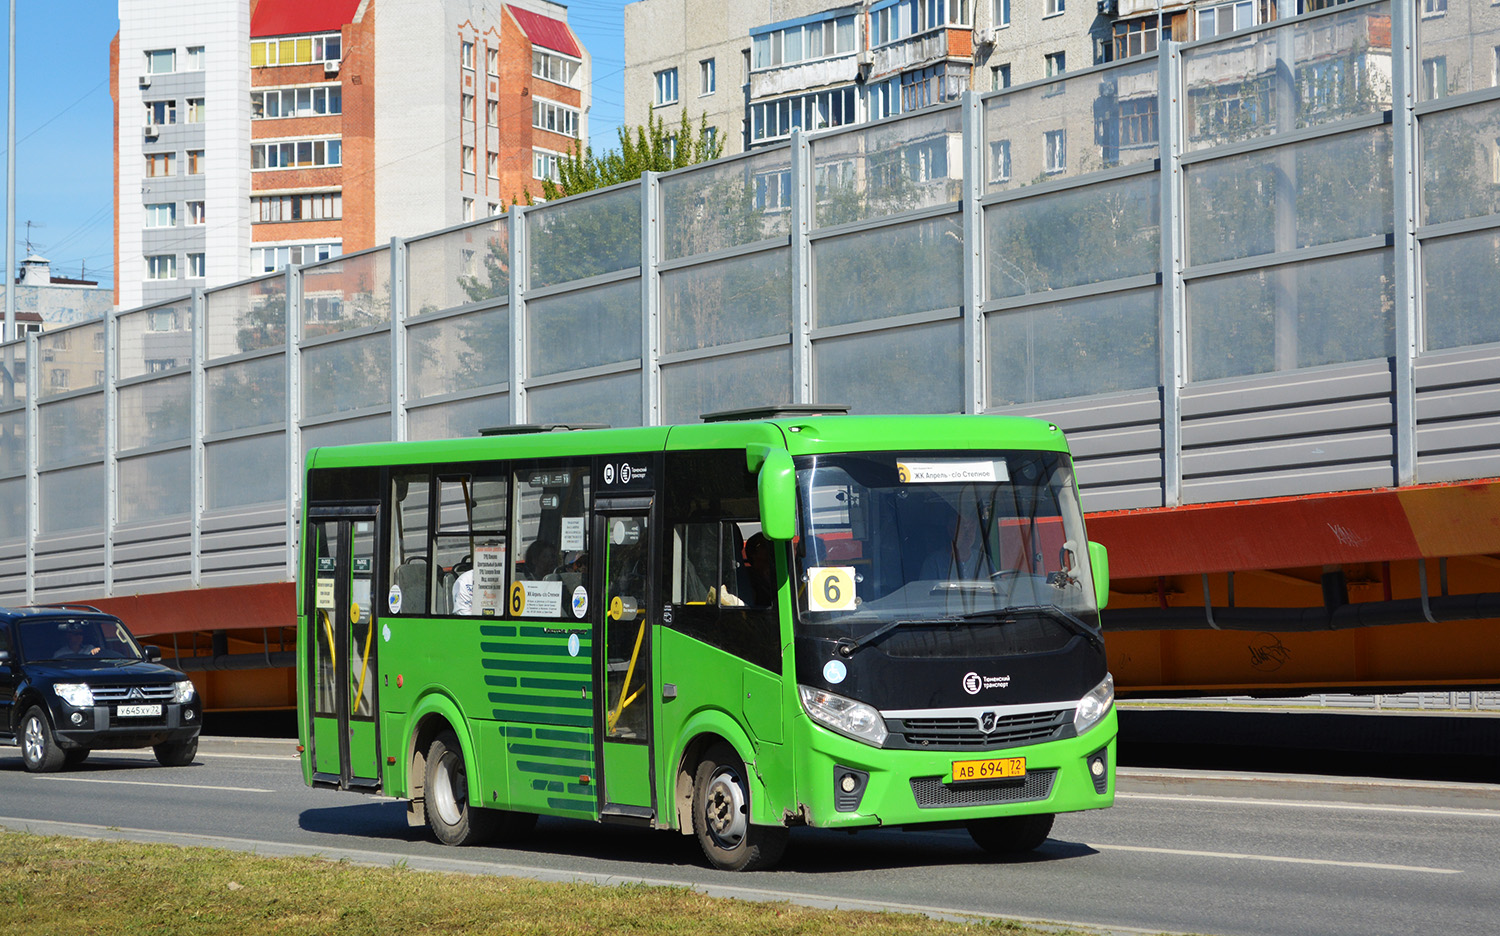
(468, 545)
(410, 566)
(551, 537)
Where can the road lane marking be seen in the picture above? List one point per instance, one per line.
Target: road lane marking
(1276, 858)
(1313, 804)
(151, 783)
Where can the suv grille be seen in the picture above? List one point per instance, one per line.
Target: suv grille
(113, 695)
(960, 734)
(932, 792)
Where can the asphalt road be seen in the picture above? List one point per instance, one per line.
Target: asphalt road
(1199, 852)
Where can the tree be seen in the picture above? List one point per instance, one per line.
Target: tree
(648, 148)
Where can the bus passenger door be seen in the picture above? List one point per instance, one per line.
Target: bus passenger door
(341, 553)
(624, 536)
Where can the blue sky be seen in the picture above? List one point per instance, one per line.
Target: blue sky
(65, 121)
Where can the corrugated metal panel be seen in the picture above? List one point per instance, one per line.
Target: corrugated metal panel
(1306, 432)
(1458, 415)
(546, 32)
(295, 17)
(1116, 443)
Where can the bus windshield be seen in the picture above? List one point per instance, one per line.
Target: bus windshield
(891, 537)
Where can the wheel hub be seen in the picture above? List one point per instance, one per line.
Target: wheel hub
(444, 795)
(33, 740)
(724, 809)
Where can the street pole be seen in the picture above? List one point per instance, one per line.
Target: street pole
(10, 185)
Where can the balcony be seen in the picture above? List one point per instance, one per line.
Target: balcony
(784, 79)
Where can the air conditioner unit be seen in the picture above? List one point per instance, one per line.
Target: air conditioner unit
(985, 37)
(1108, 7)
(144, 81)
(865, 57)
(152, 131)
(330, 68)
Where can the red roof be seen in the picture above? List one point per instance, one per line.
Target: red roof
(296, 17)
(547, 32)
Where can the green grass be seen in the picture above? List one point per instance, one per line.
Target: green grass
(62, 886)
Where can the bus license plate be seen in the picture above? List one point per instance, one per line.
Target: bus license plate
(137, 711)
(999, 768)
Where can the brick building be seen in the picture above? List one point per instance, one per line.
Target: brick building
(278, 131)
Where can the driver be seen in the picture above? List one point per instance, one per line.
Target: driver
(76, 646)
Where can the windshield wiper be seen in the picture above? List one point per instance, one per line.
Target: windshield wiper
(1074, 623)
(847, 645)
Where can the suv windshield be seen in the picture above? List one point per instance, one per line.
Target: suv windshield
(76, 639)
(892, 538)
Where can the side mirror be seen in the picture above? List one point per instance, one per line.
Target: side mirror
(153, 654)
(4, 656)
(776, 487)
(1099, 563)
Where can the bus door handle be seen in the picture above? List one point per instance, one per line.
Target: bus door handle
(668, 691)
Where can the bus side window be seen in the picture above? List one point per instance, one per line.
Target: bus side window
(410, 567)
(469, 545)
(551, 536)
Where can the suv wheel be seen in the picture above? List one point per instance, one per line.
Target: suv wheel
(176, 753)
(39, 751)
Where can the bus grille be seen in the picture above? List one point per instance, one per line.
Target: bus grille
(961, 734)
(933, 793)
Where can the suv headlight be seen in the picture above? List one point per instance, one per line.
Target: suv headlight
(182, 692)
(1094, 706)
(78, 695)
(846, 716)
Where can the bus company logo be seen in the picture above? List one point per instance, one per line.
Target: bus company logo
(624, 473)
(987, 722)
(974, 683)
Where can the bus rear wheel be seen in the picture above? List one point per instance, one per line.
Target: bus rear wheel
(1011, 835)
(449, 815)
(721, 816)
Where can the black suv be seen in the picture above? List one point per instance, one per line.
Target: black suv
(73, 679)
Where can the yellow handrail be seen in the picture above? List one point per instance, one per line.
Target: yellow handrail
(614, 717)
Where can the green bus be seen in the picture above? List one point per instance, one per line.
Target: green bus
(729, 629)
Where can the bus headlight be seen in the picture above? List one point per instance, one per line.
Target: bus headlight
(1094, 706)
(182, 692)
(846, 716)
(78, 695)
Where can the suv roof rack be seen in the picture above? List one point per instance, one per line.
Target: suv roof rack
(532, 428)
(777, 411)
(67, 607)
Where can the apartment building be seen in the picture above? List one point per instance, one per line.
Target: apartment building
(252, 134)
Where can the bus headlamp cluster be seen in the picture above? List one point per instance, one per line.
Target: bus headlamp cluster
(846, 716)
(1093, 707)
(78, 695)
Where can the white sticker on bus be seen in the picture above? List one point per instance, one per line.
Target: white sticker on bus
(947, 472)
(542, 599)
(830, 588)
(489, 579)
(572, 534)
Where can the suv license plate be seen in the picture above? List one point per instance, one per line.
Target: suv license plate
(996, 769)
(137, 711)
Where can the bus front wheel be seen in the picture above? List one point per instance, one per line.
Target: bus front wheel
(1011, 835)
(721, 816)
(449, 815)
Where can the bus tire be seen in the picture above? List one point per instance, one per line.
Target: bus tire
(1011, 835)
(449, 815)
(721, 816)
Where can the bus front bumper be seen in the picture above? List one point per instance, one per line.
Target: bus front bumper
(844, 783)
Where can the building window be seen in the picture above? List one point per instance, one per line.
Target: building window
(1000, 161)
(558, 69)
(544, 165)
(1002, 13)
(296, 102)
(1435, 77)
(492, 61)
(195, 58)
(197, 265)
(296, 155)
(707, 79)
(1224, 18)
(772, 120)
(803, 43)
(195, 212)
(1053, 7)
(159, 165)
(467, 157)
(59, 378)
(314, 206)
(494, 209)
(666, 87)
(161, 61)
(1057, 63)
(195, 110)
(492, 113)
(466, 53)
(1055, 150)
(163, 215)
(161, 320)
(195, 162)
(1000, 77)
(1137, 38)
(492, 165)
(161, 267)
(1434, 7)
(466, 106)
(161, 112)
(271, 259)
(558, 118)
(468, 209)
(300, 50)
